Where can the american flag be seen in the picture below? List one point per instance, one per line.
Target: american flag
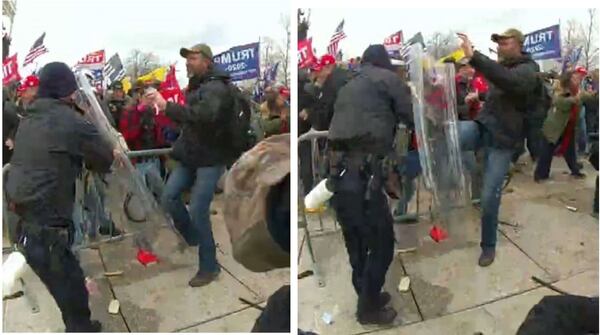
(337, 36)
(113, 70)
(36, 50)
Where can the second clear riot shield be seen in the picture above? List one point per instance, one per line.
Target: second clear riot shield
(434, 108)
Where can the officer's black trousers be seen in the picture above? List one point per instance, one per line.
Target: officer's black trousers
(367, 226)
(49, 255)
(306, 169)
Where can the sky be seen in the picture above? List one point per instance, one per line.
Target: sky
(75, 28)
(371, 26)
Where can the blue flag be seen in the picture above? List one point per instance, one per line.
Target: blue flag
(543, 43)
(572, 58)
(271, 73)
(241, 62)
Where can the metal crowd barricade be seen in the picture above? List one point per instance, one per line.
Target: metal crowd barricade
(316, 161)
(11, 224)
(149, 153)
(92, 230)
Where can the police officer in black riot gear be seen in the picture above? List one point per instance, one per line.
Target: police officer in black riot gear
(51, 144)
(361, 136)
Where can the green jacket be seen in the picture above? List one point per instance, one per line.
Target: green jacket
(271, 126)
(558, 117)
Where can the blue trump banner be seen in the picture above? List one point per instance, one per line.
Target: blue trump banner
(241, 62)
(543, 43)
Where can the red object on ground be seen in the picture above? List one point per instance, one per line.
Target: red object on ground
(146, 257)
(438, 234)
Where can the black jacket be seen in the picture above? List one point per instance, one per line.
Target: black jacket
(368, 109)
(322, 111)
(205, 122)
(305, 101)
(591, 114)
(511, 88)
(10, 122)
(10, 119)
(50, 145)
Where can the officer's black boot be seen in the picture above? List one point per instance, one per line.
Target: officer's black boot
(383, 299)
(382, 316)
(370, 311)
(92, 326)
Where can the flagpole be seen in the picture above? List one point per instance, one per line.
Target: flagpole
(258, 77)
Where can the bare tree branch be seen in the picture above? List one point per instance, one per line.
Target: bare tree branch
(587, 49)
(285, 23)
(140, 63)
(576, 36)
(440, 44)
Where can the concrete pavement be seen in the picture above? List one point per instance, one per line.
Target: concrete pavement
(450, 294)
(156, 298)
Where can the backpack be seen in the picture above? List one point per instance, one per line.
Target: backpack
(242, 134)
(540, 101)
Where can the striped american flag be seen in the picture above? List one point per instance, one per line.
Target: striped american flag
(337, 36)
(36, 50)
(113, 70)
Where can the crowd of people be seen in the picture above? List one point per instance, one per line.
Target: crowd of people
(503, 106)
(52, 147)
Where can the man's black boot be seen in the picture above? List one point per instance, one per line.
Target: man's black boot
(487, 256)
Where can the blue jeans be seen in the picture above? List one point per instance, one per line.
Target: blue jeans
(409, 170)
(194, 225)
(150, 172)
(471, 164)
(89, 212)
(496, 165)
(408, 190)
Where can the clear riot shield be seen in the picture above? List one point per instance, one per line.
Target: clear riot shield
(434, 108)
(155, 232)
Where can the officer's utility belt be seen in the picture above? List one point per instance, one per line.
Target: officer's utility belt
(368, 166)
(39, 229)
(378, 170)
(50, 233)
(355, 160)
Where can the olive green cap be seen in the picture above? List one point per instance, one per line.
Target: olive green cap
(509, 33)
(197, 49)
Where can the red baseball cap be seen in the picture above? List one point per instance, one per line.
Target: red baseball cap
(325, 60)
(581, 70)
(30, 81)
